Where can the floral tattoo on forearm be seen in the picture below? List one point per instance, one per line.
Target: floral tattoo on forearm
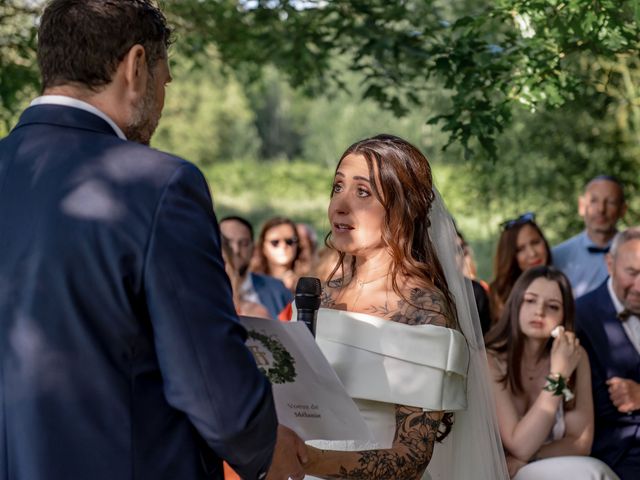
(413, 446)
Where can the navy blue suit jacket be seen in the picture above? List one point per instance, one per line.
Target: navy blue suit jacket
(611, 353)
(272, 293)
(121, 356)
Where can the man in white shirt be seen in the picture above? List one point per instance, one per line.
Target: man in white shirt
(608, 325)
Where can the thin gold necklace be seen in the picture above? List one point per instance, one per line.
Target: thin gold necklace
(362, 283)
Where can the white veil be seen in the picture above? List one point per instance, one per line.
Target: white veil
(473, 449)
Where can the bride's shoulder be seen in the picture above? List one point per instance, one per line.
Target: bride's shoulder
(413, 305)
(422, 305)
(330, 292)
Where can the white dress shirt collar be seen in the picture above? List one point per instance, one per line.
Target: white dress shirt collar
(75, 103)
(616, 303)
(631, 325)
(248, 290)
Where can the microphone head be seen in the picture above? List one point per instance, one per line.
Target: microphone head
(308, 291)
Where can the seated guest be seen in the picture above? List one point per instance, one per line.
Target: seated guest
(581, 258)
(308, 246)
(542, 384)
(520, 247)
(237, 232)
(243, 307)
(468, 267)
(277, 251)
(608, 326)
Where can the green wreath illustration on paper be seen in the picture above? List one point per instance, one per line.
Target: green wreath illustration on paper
(284, 370)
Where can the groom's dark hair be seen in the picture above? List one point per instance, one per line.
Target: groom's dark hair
(83, 41)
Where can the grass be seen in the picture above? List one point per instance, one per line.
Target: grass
(260, 190)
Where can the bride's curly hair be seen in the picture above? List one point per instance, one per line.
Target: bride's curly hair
(404, 187)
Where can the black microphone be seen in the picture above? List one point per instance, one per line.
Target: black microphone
(308, 291)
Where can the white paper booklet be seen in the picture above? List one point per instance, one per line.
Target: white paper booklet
(308, 395)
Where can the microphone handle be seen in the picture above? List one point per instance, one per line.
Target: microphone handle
(309, 318)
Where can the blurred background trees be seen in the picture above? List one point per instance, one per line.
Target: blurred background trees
(516, 102)
(18, 72)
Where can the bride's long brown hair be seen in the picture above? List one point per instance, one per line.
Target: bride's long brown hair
(404, 186)
(402, 183)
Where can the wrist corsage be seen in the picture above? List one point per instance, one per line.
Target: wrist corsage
(557, 385)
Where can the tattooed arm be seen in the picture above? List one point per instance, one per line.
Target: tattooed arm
(407, 458)
(329, 293)
(424, 307)
(416, 430)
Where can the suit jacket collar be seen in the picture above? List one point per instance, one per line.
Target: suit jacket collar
(64, 116)
(257, 280)
(622, 352)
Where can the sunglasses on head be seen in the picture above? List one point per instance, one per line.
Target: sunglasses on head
(288, 241)
(524, 218)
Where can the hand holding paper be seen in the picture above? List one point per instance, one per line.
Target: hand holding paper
(308, 395)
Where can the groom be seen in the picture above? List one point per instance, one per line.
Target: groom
(120, 352)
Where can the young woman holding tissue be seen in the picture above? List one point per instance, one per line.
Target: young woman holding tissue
(542, 382)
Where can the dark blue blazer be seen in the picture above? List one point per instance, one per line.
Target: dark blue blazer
(611, 353)
(272, 293)
(121, 356)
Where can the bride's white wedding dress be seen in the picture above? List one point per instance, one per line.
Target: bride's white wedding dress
(382, 363)
(568, 466)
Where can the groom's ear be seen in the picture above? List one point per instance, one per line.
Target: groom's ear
(134, 73)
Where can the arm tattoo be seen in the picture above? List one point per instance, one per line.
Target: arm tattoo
(380, 310)
(326, 300)
(412, 449)
(425, 307)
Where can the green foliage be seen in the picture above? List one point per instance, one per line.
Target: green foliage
(489, 55)
(280, 115)
(207, 117)
(260, 190)
(530, 98)
(18, 76)
(336, 122)
(505, 53)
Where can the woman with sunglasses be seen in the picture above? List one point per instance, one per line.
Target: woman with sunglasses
(277, 251)
(521, 246)
(396, 325)
(542, 382)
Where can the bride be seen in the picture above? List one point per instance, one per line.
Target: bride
(396, 325)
